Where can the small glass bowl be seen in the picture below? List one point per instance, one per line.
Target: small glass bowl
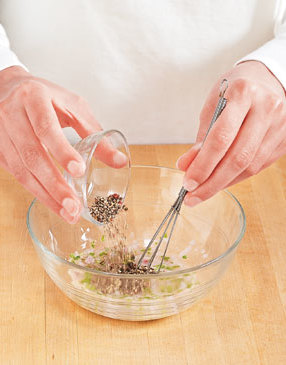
(105, 173)
(203, 244)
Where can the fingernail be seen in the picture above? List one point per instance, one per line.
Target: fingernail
(119, 159)
(192, 201)
(66, 216)
(71, 206)
(190, 184)
(76, 168)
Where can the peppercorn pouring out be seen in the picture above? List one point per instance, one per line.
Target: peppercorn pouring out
(117, 259)
(104, 210)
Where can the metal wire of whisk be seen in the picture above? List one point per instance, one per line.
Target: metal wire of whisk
(171, 217)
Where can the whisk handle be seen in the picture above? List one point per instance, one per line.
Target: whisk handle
(218, 110)
(220, 106)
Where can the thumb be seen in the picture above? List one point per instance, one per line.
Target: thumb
(109, 155)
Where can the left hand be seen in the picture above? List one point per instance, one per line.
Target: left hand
(249, 135)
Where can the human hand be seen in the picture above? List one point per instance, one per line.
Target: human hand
(32, 112)
(249, 135)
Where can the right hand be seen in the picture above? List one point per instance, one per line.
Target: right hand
(32, 113)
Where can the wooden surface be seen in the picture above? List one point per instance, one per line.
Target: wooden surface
(243, 320)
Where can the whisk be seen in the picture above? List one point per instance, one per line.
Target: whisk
(171, 217)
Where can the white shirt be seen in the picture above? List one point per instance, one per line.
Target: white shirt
(144, 66)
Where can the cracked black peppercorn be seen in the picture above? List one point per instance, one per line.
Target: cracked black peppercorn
(104, 210)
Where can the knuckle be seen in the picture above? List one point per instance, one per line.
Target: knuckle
(242, 160)
(279, 105)
(253, 169)
(241, 86)
(30, 156)
(24, 90)
(43, 127)
(5, 108)
(80, 101)
(255, 166)
(27, 88)
(270, 103)
(221, 139)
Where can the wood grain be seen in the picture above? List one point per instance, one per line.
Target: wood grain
(243, 320)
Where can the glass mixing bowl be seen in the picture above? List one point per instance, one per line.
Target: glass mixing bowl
(203, 244)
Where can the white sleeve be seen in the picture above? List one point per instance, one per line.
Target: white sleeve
(273, 53)
(7, 57)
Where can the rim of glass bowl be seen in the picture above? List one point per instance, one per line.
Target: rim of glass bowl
(161, 274)
(102, 134)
